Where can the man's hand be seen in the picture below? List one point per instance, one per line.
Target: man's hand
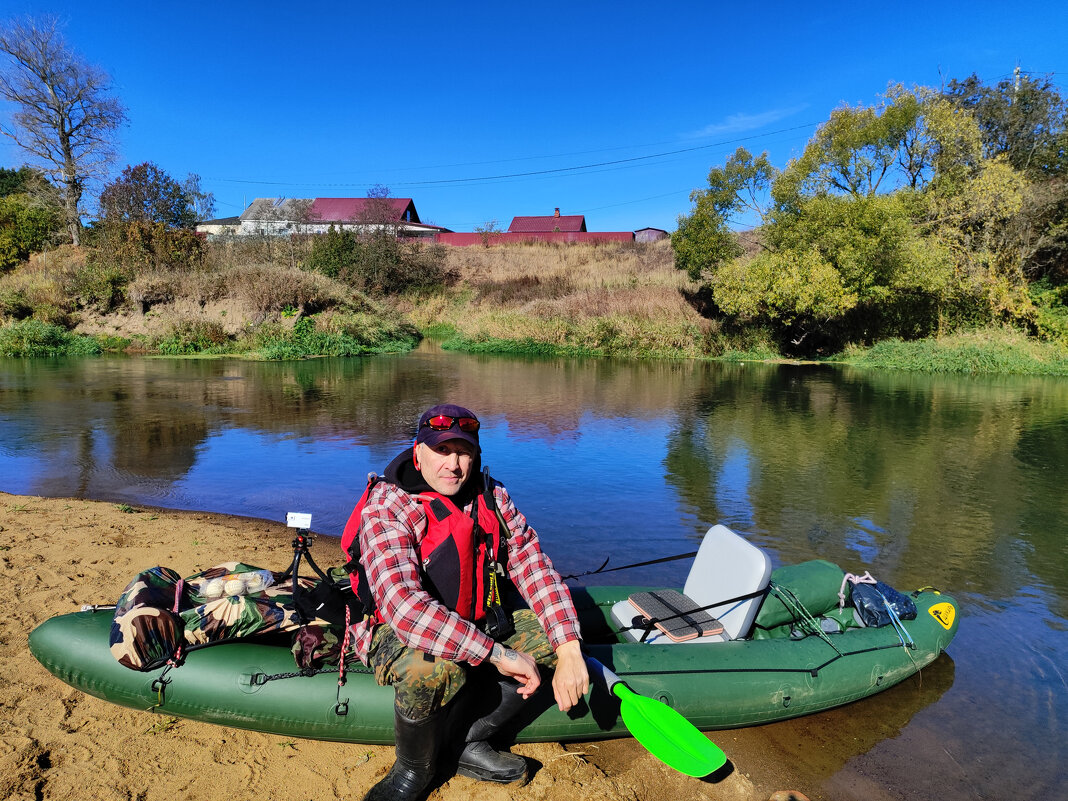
(571, 680)
(517, 665)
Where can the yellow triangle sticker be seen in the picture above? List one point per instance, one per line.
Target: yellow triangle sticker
(944, 613)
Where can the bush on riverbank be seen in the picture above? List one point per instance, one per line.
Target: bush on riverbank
(346, 334)
(379, 262)
(188, 337)
(990, 350)
(33, 338)
(335, 335)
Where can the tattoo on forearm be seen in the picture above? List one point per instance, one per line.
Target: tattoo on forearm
(499, 652)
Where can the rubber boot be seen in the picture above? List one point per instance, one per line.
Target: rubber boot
(479, 760)
(417, 743)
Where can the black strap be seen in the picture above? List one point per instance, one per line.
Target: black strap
(501, 557)
(440, 510)
(601, 569)
(647, 624)
(499, 561)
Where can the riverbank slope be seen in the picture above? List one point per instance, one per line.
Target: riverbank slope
(57, 743)
(605, 299)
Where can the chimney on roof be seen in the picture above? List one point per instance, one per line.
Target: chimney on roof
(556, 213)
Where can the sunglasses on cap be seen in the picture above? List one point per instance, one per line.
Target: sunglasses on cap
(443, 422)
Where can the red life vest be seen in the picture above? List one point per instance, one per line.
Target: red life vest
(455, 552)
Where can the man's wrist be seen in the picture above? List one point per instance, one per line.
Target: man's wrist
(501, 652)
(570, 648)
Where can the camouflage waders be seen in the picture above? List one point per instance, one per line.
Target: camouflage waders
(425, 683)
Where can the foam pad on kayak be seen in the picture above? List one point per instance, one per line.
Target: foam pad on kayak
(675, 614)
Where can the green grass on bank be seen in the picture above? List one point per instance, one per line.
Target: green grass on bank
(32, 338)
(989, 350)
(984, 351)
(328, 335)
(607, 336)
(348, 335)
(519, 333)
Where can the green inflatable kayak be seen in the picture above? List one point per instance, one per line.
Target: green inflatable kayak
(740, 645)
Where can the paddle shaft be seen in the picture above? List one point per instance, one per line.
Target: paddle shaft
(609, 678)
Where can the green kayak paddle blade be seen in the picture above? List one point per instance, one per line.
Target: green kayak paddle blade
(667, 735)
(661, 730)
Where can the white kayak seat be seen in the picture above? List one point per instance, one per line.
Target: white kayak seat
(729, 572)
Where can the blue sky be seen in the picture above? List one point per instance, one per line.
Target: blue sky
(483, 111)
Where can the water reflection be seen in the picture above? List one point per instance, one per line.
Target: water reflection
(927, 477)
(894, 722)
(950, 481)
(931, 478)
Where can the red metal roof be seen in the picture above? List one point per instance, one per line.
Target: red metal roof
(535, 225)
(355, 209)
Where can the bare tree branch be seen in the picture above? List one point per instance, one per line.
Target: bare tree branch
(65, 116)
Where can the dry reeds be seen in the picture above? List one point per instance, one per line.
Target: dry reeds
(582, 265)
(40, 288)
(261, 288)
(603, 298)
(576, 281)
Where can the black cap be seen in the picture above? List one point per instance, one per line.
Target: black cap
(433, 437)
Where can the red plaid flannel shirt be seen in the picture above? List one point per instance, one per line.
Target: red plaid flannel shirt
(392, 526)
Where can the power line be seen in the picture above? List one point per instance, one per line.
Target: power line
(531, 173)
(529, 158)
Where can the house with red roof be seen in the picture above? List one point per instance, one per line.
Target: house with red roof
(567, 223)
(281, 216)
(556, 228)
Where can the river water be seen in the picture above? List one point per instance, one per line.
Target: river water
(954, 482)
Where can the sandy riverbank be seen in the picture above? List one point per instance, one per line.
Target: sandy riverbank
(56, 743)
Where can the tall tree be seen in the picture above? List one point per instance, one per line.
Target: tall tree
(704, 240)
(1025, 118)
(146, 193)
(65, 116)
(201, 202)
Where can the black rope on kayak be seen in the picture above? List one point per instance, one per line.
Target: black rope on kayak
(259, 679)
(341, 707)
(646, 624)
(812, 671)
(601, 569)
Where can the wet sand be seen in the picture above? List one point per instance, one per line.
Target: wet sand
(57, 743)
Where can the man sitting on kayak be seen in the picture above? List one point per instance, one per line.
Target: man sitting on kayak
(434, 547)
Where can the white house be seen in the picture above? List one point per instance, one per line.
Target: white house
(281, 216)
